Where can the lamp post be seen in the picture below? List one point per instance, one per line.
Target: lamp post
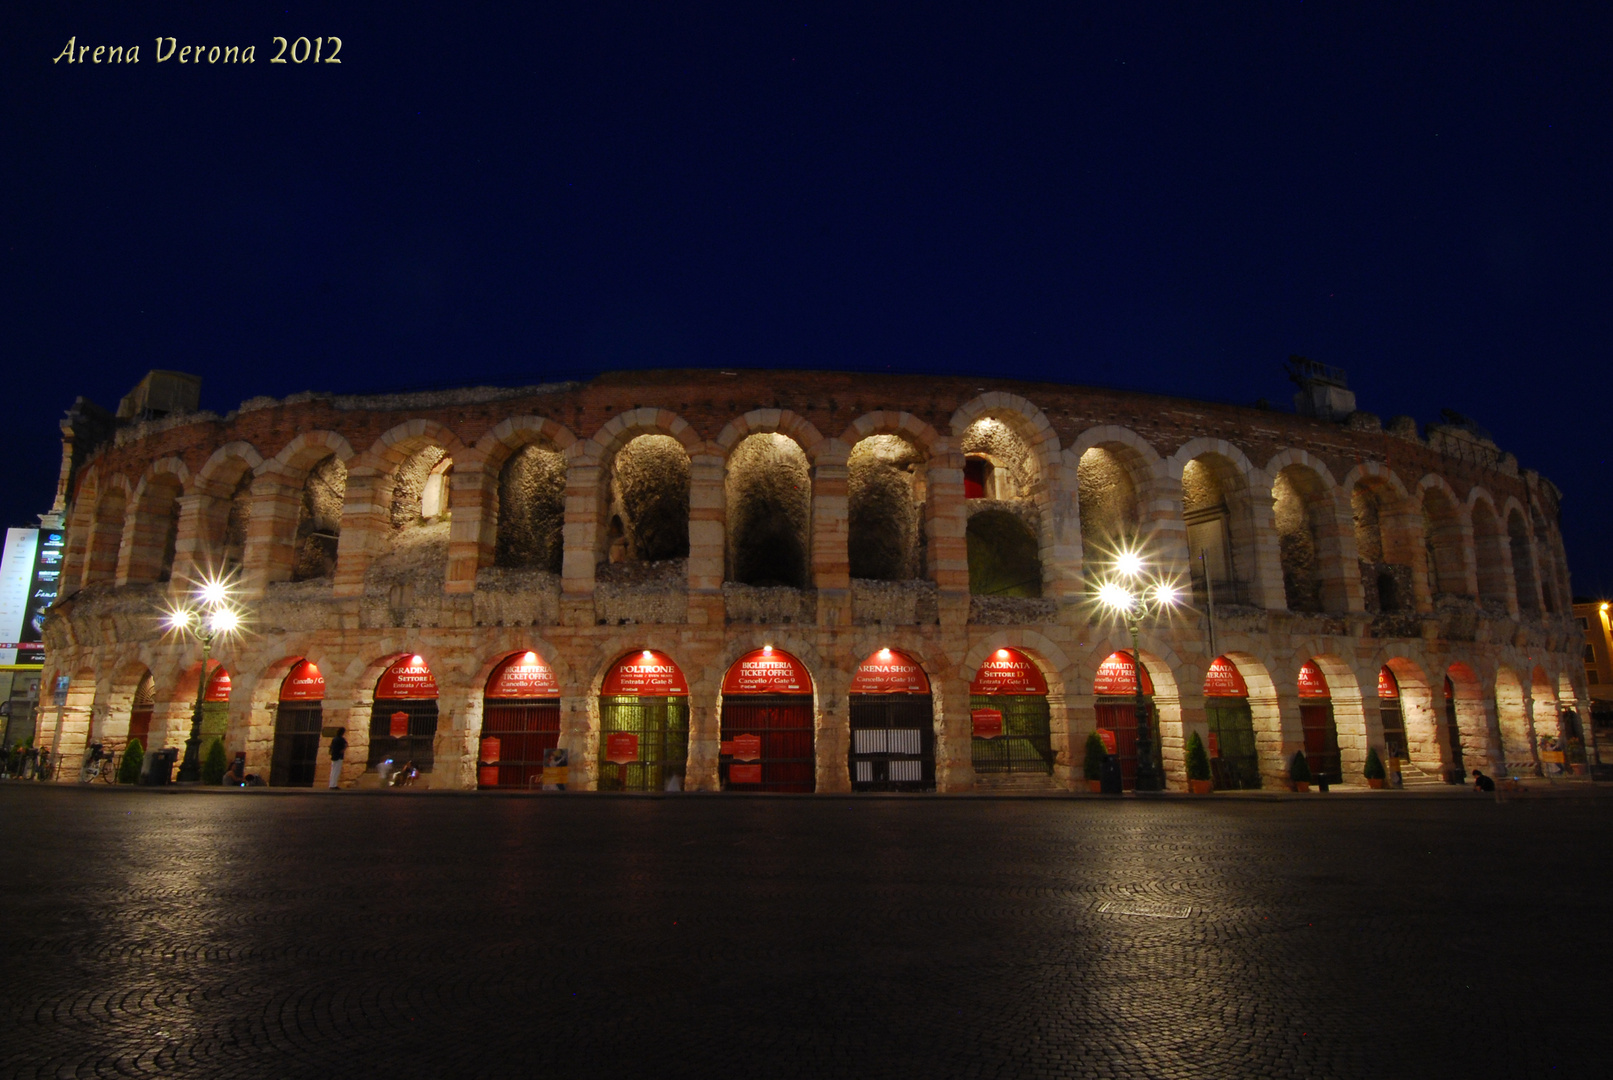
(1133, 591)
(210, 614)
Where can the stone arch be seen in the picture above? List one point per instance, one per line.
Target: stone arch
(1122, 496)
(213, 530)
(107, 523)
(1492, 557)
(1275, 742)
(1227, 515)
(1387, 540)
(1349, 711)
(151, 532)
(511, 492)
(1512, 716)
(1473, 746)
(1028, 421)
(1525, 578)
(888, 507)
(1010, 465)
(1446, 539)
(1551, 585)
(768, 497)
(1421, 708)
(771, 421)
(1319, 569)
(111, 722)
(297, 501)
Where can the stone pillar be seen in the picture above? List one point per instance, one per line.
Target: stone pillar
(1341, 562)
(580, 551)
(271, 532)
(1266, 575)
(708, 516)
(366, 527)
(832, 737)
(472, 531)
(191, 557)
(705, 738)
(1061, 537)
(954, 734)
(947, 520)
(831, 530)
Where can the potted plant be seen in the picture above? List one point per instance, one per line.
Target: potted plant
(1299, 772)
(1198, 766)
(134, 755)
(1092, 767)
(1374, 771)
(213, 765)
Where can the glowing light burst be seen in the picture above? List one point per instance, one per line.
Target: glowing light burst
(1129, 563)
(1116, 597)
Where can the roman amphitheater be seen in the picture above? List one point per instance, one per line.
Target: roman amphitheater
(808, 581)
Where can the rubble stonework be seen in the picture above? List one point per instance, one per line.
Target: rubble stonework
(643, 514)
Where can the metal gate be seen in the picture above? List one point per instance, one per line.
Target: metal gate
(1234, 765)
(662, 727)
(1120, 716)
(1321, 741)
(892, 742)
(783, 723)
(215, 723)
(296, 745)
(524, 728)
(1457, 773)
(1026, 744)
(416, 746)
(1394, 729)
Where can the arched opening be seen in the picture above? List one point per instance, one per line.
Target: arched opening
(1442, 535)
(215, 703)
(643, 724)
(1132, 736)
(403, 718)
(1422, 713)
(1395, 747)
(1523, 565)
(520, 723)
(1011, 717)
(769, 496)
(1548, 724)
(997, 463)
(1220, 537)
(1306, 541)
(1464, 735)
(237, 518)
(767, 722)
(887, 490)
(140, 710)
(1383, 548)
(892, 725)
(297, 720)
(1318, 724)
(156, 529)
(1005, 556)
(1548, 569)
(1489, 549)
(532, 509)
(1234, 760)
(647, 504)
(1513, 720)
(1107, 497)
(319, 520)
(106, 536)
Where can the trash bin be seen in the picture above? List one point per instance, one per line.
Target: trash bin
(1109, 782)
(157, 770)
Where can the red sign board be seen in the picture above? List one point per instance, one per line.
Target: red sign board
(726, 748)
(1117, 677)
(490, 750)
(400, 724)
(767, 671)
(645, 674)
(890, 672)
(1388, 685)
(744, 774)
(1223, 680)
(1107, 737)
(747, 747)
(621, 747)
(487, 776)
(218, 686)
(523, 675)
(1008, 671)
(303, 683)
(988, 723)
(1312, 683)
(408, 679)
(1215, 745)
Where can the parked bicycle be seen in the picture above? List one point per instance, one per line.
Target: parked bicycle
(99, 764)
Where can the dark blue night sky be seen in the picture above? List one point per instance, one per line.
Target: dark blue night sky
(1169, 197)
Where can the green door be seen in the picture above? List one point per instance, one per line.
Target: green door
(1233, 764)
(662, 727)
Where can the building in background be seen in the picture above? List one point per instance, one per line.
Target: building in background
(1596, 619)
(30, 575)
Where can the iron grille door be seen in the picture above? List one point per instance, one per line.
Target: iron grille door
(1026, 744)
(525, 728)
(892, 742)
(295, 759)
(140, 724)
(1321, 741)
(1394, 729)
(215, 722)
(1120, 716)
(1234, 764)
(1457, 773)
(662, 727)
(417, 746)
(783, 722)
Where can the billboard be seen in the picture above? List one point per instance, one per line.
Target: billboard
(30, 575)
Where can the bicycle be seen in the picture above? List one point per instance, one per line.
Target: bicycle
(99, 765)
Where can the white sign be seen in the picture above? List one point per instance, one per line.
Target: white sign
(16, 577)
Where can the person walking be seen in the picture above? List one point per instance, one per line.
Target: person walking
(338, 750)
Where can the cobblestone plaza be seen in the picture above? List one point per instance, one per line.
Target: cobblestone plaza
(283, 934)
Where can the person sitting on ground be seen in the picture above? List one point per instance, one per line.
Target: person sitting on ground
(1482, 782)
(237, 771)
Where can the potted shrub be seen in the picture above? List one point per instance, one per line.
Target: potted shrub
(1092, 767)
(1299, 772)
(1374, 771)
(1198, 766)
(213, 765)
(134, 755)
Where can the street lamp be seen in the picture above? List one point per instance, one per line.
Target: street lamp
(1136, 589)
(210, 614)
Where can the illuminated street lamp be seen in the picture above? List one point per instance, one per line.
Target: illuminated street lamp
(1136, 589)
(209, 615)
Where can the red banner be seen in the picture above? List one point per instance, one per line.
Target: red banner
(1009, 671)
(1388, 685)
(1312, 683)
(523, 675)
(408, 679)
(988, 723)
(1117, 677)
(490, 749)
(645, 674)
(621, 747)
(726, 747)
(1107, 737)
(487, 776)
(767, 671)
(400, 724)
(890, 672)
(218, 686)
(747, 747)
(1223, 680)
(744, 774)
(303, 683)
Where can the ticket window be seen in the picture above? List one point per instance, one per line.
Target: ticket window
(403, 720)
(892, 725)
(294, 759)
(767, 725)
(1316, 719)
(643, 724)
(1011, 717)
(520, 723)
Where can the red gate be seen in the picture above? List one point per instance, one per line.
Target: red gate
(767, 736)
